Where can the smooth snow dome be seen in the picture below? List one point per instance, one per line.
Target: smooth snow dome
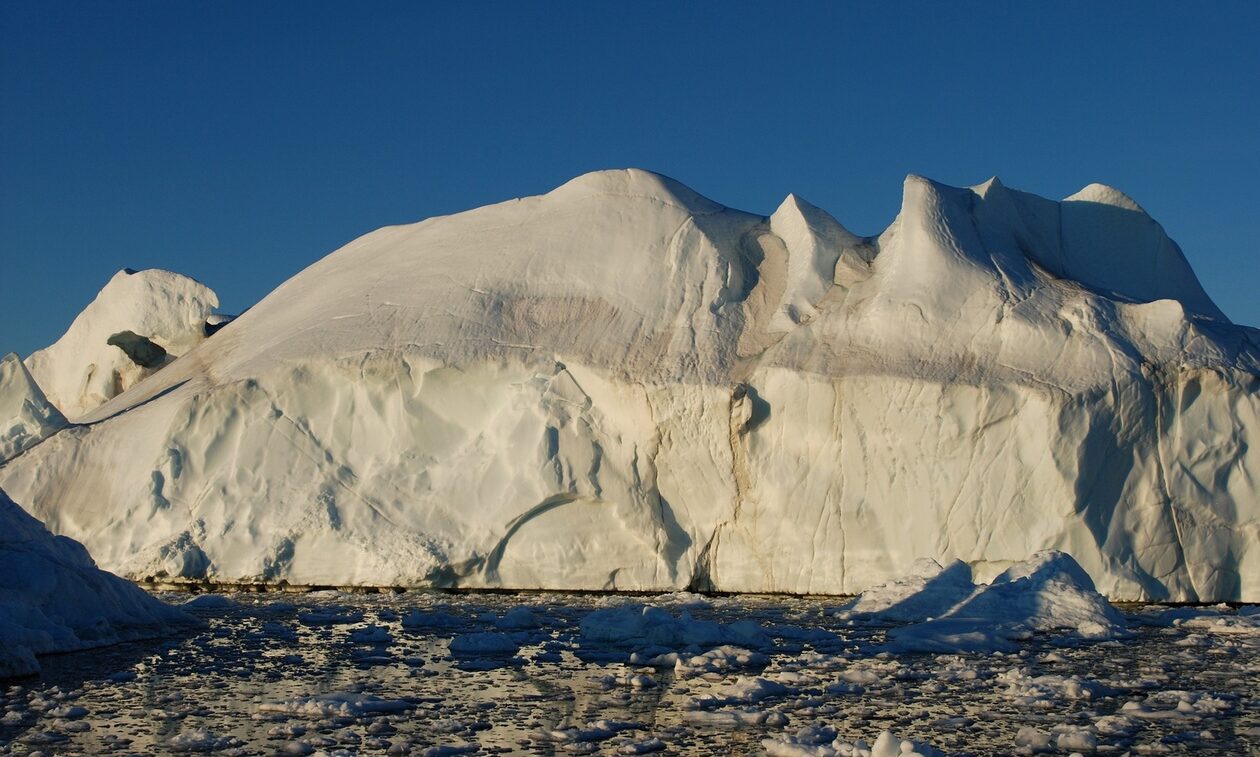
(624, 385)
(83, 369)
(53, 598)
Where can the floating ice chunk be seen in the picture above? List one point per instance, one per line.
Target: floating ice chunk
(599, 730)
(717, 660)
(279, 630)
(823, 741)
(1027, 689)
(646, 746)
(1047, 593)
(337, 705)
(1032, 738)
(1177, 705)
(633, 680)
(648, 626)
(209, 602)
(448, 750)
(487, 643)
(518, 618)
(371, 635)
(733, 717)
(750, 689)
(417, 619)
(200, 740)
(1071, 738)
(330, 616)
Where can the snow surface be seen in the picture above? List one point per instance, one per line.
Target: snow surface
(53, 598)
(81, 370)
(624, 385)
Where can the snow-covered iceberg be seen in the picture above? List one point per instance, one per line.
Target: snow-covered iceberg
(624, 385)
(53, 598)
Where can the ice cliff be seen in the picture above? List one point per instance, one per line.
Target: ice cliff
(624, 385)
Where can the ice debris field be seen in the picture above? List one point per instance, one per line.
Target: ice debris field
(443, 674)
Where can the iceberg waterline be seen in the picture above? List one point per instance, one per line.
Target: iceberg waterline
(623, 385)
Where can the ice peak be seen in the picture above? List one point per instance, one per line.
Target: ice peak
(637, 182)
(1105, 195)
(994, 184)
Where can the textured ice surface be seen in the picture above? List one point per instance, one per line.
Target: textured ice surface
(26, 415)
(53, 598)
(623, 385)
(256, 680)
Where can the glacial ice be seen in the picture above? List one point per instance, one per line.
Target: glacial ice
(623, 385)
(54, 599)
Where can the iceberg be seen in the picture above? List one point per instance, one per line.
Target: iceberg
(947, 613)
(53, 598)
(624, 385)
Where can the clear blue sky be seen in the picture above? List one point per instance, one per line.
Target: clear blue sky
(238, 142)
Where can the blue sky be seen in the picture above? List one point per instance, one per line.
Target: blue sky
(238, 142)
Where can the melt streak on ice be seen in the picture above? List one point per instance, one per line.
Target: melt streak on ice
(623, 385)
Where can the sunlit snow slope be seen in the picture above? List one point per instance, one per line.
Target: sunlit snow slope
(83, 369)
(621, 384)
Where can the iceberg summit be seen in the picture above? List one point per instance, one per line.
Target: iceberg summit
(623, 385)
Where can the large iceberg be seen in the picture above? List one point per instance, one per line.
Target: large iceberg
(624, 385)
(54, 599)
